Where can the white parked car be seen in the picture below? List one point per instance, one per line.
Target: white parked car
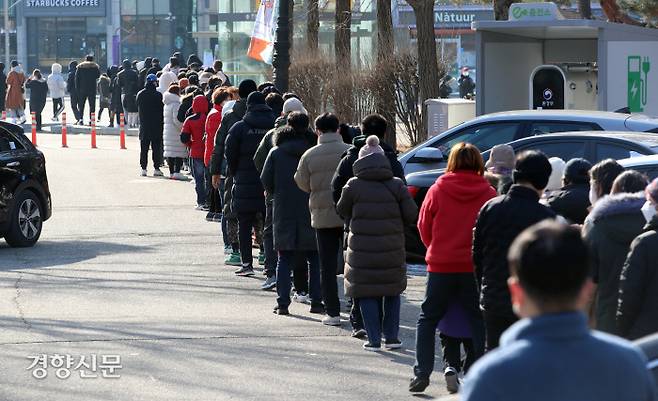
(492, 129)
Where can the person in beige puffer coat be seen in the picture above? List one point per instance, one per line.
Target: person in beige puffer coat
(314, 173)
(378, 207)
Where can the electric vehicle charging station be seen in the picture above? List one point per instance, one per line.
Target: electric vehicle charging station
(540, 60)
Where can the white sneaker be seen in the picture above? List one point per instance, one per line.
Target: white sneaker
(158, 173)
(331, 321)
(143, 173)
(300, 297)
(452, 380)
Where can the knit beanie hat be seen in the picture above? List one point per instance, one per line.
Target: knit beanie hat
(652, 191)
(555, 179)
(255, 98)
(246, 87)
(576, 171)
(371, 147)
(501, 160)
(532, 167)
(293, 104)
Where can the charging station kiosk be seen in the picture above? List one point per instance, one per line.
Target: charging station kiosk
(540, 60)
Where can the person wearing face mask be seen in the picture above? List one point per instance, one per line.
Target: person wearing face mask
(466, 84)
(637, 307)
(609, 230)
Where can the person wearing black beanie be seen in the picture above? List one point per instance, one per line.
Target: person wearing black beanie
(500, 221)
(572, 200)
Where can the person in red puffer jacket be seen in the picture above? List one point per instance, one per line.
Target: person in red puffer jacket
(213, 121)
(192, 135)
(446, 222)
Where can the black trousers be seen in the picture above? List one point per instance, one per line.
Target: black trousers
(175, 164)
(156, 152)
(75, 105)
(452, 356)
(58, 106)
(246, 223)
(329, 245)
(82, 101)
(268, 241)
(495, 325)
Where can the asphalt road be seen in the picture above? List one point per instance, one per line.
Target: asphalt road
(127, 267)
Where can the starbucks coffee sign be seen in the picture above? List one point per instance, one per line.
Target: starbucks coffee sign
(64, 8)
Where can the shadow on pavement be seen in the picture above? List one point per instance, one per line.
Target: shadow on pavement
(60, 253)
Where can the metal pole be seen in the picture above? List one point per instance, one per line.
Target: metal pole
(5, 3)
(281, 57)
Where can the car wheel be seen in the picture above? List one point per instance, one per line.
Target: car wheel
(26, 221)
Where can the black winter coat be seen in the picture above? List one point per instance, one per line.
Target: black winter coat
(241, 144)
(291, 214)
(38, 93)
(571, 202)
(185, 107)
(498, 224)
(3, 86)
(609, 230)
(151, 113)
(128, 85)
(637, 310)
(86, 77)
(115, 100)
(70, 79)
(345, 171)
(217, 161)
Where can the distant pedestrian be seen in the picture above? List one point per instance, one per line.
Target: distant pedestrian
(116, 108)
(314, 173)
(128, 82)
(57, 88)
(499, 222)
(466, 84)
(175, 151)
(218, 67)
(192, 135)
(151, 114)
(15, 99)
(104, 95)
(213, 121)
(155, 67)
(3, 86)
(143, 71)
(38, 94)
(375, 260)
(551, 354)
(169, 75)
(445, 223)
(73, 91)
(86, 77)
(501, 165)
(572, 200)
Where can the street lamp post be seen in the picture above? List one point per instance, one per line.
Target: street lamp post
(281, 57)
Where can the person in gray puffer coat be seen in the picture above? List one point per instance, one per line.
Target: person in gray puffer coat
(378, 207)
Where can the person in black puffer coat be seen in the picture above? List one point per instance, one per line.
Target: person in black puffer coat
(71, 89)
(637, 308)
(610, 228)
(38, 93)
(572, 200)
(248, 198)
(148, 63)
(116, 108)
(127, 80)
(151, 114)
(291, 216)
(499, 222)
(86, 80)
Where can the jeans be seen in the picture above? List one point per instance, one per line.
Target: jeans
(495, 325)
(175, 164)
(452, 352)
(199, 174)
(442, 289)
(155, 145)
(283, 282)
(373, 323)
(268, 241)
(82, 101)
(58, 106)
(329, 245)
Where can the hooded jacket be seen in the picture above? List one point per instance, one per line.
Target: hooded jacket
(499, 222)
(56, 83)
(637, 310)
(213, 121)
(447, 218)
(344, 171)
(314, 173)
(241, 144)
(235, 115)
(291, 217)
(570, 202)
(609, 230)
(70, 79)
(127, 80)
(378, 206)
(86, 76)
(195, 126)
(173, 147)
(167, 78)
(150, 107)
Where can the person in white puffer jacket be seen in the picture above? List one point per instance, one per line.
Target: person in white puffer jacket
(167, 78)
(57, 88)
(174, 150)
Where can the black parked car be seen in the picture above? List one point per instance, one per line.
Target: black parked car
(24, 196)
(593, 146)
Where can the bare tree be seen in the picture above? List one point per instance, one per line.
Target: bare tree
(428, 70)
(343, 40)
(313, 25)
(501, 9)
(615, 13)
(385, 104)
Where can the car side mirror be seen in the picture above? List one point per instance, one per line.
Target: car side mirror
(429, 155)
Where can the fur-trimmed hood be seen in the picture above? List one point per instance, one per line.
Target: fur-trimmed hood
(612, 205)
(87, 64)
